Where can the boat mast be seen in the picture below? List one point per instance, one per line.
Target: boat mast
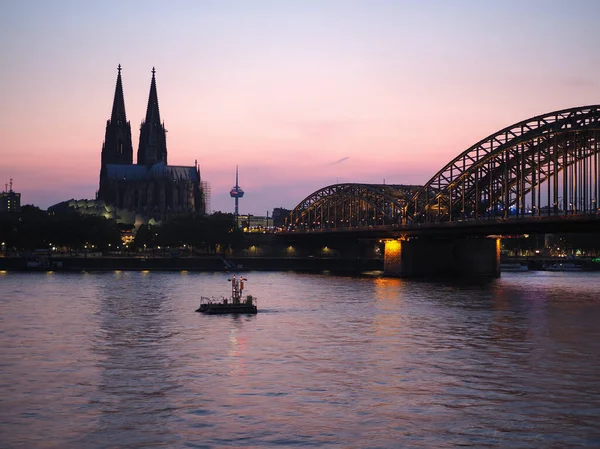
(237, 287)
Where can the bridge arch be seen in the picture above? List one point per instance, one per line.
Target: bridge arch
(545, 165)
(352, 205)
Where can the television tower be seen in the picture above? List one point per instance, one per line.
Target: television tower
(236, 193)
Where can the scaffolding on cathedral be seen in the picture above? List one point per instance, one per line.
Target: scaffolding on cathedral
(206, 192)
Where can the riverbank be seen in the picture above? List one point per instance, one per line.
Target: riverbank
(220, 263)
(206, 263)
(540, 263)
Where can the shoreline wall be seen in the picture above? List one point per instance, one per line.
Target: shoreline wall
(212, 263)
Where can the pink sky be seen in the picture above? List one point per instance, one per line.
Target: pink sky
(299, 94)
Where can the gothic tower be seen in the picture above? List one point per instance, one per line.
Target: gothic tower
(153, 141)
(150, 188)
(117, 148)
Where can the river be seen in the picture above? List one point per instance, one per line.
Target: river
(120, 359)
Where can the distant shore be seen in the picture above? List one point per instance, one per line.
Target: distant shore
(218, 263)
(202, 263)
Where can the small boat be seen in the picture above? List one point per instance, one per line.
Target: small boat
(237, 303)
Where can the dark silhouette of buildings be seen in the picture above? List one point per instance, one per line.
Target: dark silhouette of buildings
(10, 201)
(150, 188)
(279, 216)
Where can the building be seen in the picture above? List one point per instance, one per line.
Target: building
(279, 216)
(260, 223)
(254, 223)
(10, 201)
(151, 187)
(100, 208)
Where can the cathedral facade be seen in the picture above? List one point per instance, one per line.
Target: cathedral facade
(151, 187)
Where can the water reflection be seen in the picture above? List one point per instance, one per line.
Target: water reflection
(136, 370)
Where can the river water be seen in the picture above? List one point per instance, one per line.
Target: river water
(120, 359)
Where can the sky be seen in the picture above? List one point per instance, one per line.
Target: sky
(299, 94)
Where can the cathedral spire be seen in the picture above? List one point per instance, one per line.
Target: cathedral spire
(152, 112)
(117, 148)
(118, 109)
(153, 141)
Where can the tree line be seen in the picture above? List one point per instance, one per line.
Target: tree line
(32, 228)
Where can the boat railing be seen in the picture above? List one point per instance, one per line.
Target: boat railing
(213, 300)
(247, 299)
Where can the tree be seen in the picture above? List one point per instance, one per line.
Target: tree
(202, 232)
(144, 237)
(33, 229)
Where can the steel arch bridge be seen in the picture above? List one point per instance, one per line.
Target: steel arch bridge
(353, 205)
(547, 165)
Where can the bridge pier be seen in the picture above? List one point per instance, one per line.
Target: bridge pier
(459, 257)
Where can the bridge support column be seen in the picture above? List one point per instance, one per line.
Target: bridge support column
(392, 257)
(459, 257)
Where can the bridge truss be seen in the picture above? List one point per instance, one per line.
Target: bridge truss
(353, 205)
(546, 166)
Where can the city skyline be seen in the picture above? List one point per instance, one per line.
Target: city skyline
(299, 95)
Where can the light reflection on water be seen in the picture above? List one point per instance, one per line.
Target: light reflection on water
(122, 360)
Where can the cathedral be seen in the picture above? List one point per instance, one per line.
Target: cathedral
(150, 188)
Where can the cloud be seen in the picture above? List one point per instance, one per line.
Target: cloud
(339, 161)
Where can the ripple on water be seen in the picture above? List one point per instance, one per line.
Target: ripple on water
(122, 359)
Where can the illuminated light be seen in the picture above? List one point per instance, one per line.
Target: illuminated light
(498, 251)
(145, 271)
(3, 272)
(184, 271)
(392, 246)
(392, 255)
